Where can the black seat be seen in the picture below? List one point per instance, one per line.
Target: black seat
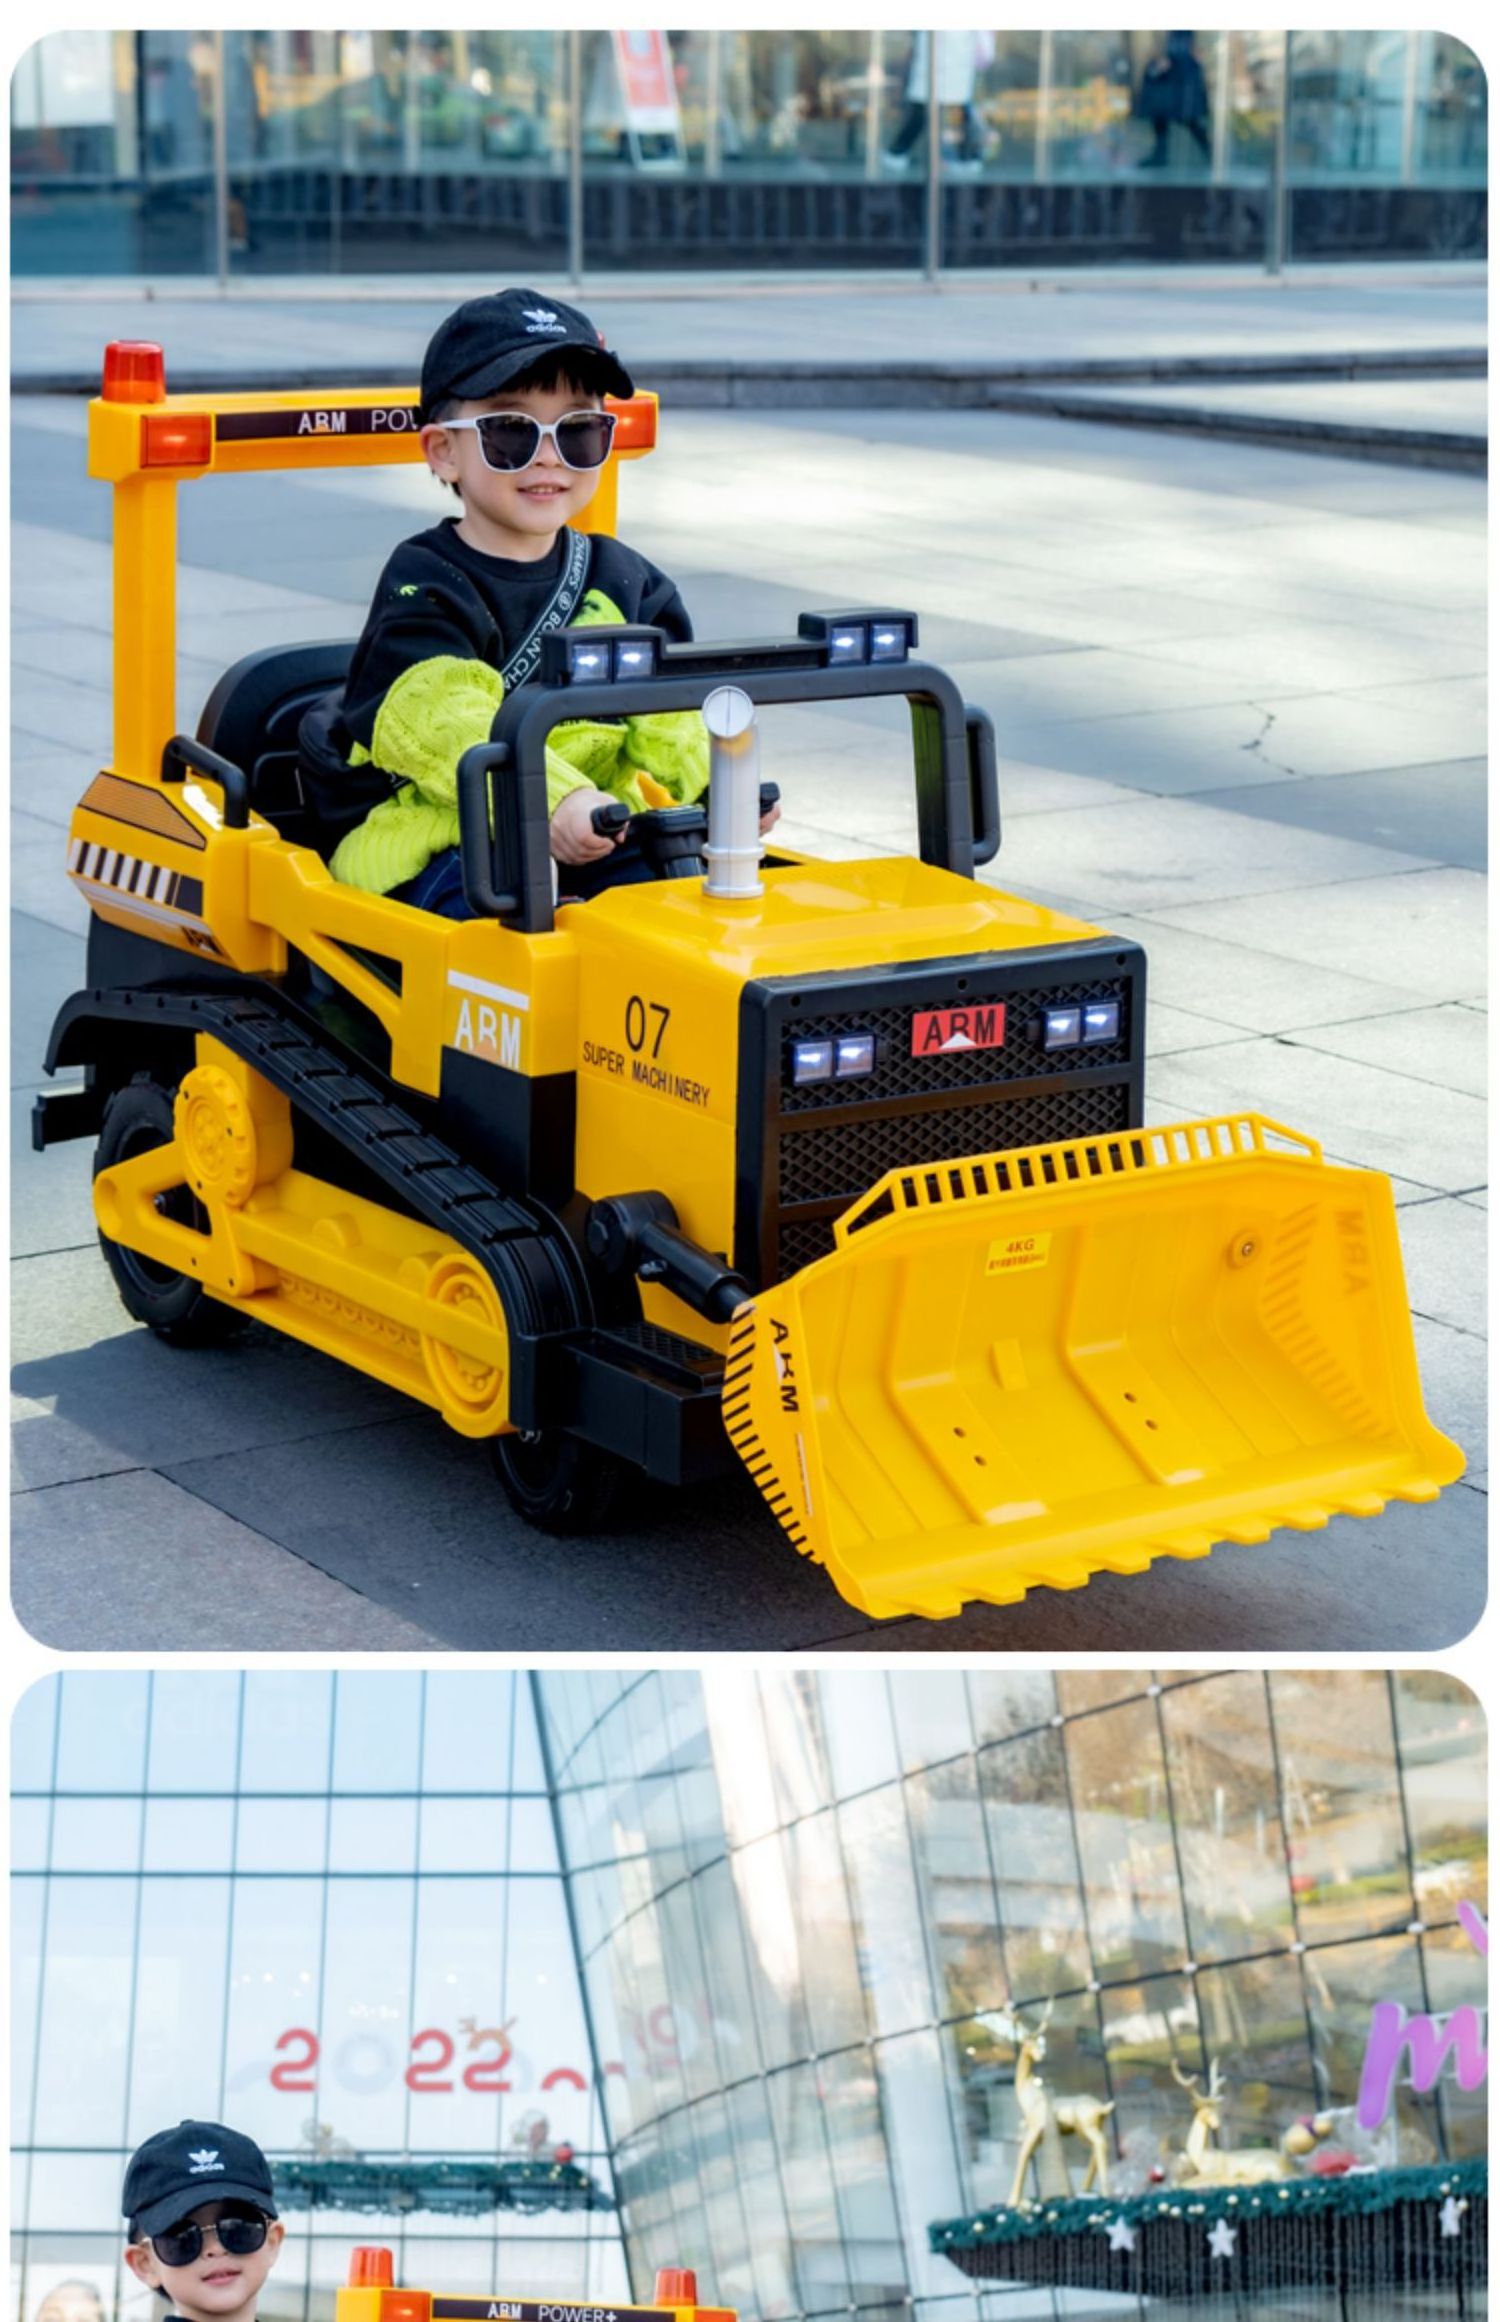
(252, 718)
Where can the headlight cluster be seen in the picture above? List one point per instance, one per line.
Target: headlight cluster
(860, 636)
(599, 660)
(850, 1057)
(1093, 1025)
(872, 641)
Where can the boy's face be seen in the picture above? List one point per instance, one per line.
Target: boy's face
(518, 512)
(213, 2287)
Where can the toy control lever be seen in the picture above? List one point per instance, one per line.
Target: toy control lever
(613, 818)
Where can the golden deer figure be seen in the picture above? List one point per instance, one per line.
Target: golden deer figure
(1047, 2118)
(1202, 2162)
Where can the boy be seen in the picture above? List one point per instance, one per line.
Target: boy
(512, 417)
(201, 2218)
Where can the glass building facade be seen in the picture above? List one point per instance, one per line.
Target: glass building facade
(753, 1945)
(239, 154)
(325, 1908)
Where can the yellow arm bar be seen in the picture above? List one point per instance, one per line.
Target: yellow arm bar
(146, 448)
(347, 427)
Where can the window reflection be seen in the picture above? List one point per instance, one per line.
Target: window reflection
(1118, 1782)
(1442, 1742)
(1347, 99)
(85, 2013)
(1344, 1838)
(195, 1720)
(957, 1892)
(408, 151)
(855, 1711)
(1002, 1703)
(887, 1917)
(101, 1742)
(33, 1734)
(1148, 2027)
(180, 1952)
(798, 2123)
(1255, 2023)
(1455, 1977)
(286, 1730)
(1229, 1836)
(1452, 117)
(1034, 1849)
(1344, 1982)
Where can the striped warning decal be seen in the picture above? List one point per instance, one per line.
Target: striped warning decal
(146, 890)
(741, 1429)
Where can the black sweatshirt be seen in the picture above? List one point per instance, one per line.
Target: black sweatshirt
(438, 595)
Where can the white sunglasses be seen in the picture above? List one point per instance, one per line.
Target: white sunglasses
(509, 440)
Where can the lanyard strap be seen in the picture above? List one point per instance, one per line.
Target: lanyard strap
(555, 614)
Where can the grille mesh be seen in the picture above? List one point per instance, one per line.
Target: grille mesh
(845, 1159)
(899, 1074)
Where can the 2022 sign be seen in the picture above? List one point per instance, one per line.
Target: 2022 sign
(366, 2062)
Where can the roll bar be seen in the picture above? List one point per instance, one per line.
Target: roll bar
(502, 783)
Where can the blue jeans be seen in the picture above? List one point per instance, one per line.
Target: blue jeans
(439, 887)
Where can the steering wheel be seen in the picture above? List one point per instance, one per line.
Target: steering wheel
(671, 838)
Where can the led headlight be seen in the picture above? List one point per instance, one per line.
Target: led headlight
(855, 1056)
(889, 641)
(848, 642)
(1101, 1021)
(635, 658)
(587, 660)
(1062, 1028)
(811, 1060)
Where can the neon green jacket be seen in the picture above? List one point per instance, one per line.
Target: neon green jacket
(441, 707)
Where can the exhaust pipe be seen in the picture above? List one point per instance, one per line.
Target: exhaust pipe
(734, 849)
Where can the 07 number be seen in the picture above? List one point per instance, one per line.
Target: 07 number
(638, 1013)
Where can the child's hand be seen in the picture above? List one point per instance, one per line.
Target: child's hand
(571, 835)
(770, 819)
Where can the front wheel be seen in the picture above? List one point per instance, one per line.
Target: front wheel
(555, 1482)
(137, 1120)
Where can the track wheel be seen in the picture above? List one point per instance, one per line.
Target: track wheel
(555, 1482)
(136, 1120)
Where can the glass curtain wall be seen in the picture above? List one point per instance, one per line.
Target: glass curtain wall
(723, 151)
(815, 1911)
(324, 1908)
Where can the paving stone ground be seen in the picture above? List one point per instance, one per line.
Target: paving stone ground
(1239, 695)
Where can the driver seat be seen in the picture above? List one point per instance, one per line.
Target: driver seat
(254, 718)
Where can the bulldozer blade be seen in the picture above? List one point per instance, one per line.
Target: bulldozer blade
(1018, 1370)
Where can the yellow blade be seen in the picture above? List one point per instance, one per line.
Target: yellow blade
(1016, 1371)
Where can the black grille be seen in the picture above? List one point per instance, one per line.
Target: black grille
(805, 1154)
(801, 1244)
(900, 1074)
(841, 1161)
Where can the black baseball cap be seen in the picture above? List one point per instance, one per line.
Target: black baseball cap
(487, 342)
(174, 2172)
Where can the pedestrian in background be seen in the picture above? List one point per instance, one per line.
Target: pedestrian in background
(961, 58)
(1173, 88)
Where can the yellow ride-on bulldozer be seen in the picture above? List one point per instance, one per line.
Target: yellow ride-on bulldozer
(834, 1168)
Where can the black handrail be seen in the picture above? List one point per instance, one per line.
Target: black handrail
(505, 861)
(183, 755)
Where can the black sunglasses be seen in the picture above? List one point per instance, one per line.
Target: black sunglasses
(509, 440)
(239, 2234)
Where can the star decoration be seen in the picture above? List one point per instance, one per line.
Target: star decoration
(1451, 2218)
(1221, 2241)
(1122, 2234)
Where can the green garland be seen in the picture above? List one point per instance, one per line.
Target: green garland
(1356, 2195)
(451, 2188)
